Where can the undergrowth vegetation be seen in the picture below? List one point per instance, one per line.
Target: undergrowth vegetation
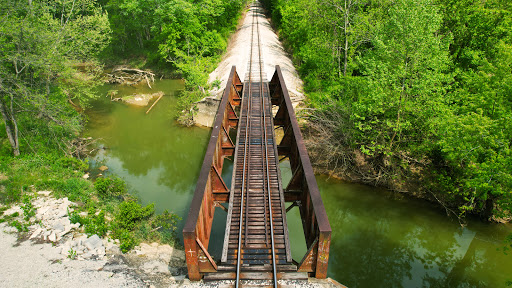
(413, 95)
(50, 65)
(103, 208)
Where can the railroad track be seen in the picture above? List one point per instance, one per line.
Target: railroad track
(256, 236)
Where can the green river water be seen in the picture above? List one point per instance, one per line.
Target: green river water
(379, 238)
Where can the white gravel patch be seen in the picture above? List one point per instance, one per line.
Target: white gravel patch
(272, 50)
(41, 265)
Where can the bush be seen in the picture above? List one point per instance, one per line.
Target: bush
(127, 241)
(166, 225)
(27, 207)
(73, 163)
(130, 213)
(110, 186)
(21, 227)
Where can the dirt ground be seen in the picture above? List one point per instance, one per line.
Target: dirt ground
(272, 54)
(238, 53)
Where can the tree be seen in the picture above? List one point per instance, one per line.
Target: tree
(406, 76)
(350, 27)
(41, 46)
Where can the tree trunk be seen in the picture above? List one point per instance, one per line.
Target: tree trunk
(11, 127)
(345, 60)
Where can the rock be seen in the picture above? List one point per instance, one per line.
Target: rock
(13, 210)
(58, 227)
(206, 111)
(155, 266)
(36, 233)
(65, 231)
(165, 253)
(147, 250)
(44, 193)
(114, 249)
(178, 255)
(65, 221)
(41, 211)
(103, 168)
(52, 237)
(100, 252)
(61, 213)
(86, 176)
(93, 242)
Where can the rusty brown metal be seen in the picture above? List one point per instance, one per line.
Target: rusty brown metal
(303, 185)
(210, 187)
(302, 190)
(308, 263)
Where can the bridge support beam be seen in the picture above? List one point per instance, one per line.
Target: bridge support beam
(211, 189)
(302, 187)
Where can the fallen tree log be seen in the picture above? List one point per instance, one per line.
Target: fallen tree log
(154, 103)
(130, 76)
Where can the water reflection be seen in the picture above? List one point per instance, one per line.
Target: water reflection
(379, 241)
(158, 159)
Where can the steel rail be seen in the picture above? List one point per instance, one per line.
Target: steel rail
(269, 194)
(245, 164)
(255, 40)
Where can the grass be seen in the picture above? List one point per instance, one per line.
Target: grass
(109, 209)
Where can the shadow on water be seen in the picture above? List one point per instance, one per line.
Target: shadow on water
(379, 239)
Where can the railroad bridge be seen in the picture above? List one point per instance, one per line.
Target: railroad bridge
(256, 241)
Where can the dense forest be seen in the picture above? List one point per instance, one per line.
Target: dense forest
(52, 58)
(415, 95)
(51, 54)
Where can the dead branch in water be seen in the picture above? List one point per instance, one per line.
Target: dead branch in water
(130, 76)
(154, 103)
(81, 147)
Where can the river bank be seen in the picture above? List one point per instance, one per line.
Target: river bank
(57, 253)
(161, 162)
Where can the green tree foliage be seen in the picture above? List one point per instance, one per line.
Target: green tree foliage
(172, 31)
(41, 46)
(187, 35)
(412, 92)
(404, 72)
